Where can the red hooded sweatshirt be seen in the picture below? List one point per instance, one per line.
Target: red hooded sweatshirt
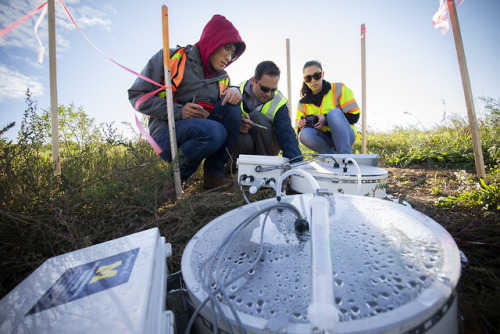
(218, 32)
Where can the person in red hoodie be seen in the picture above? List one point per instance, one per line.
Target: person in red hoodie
(206, 107)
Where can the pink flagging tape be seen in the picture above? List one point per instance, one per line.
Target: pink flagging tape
(146, 135)
(105, 55)
(145, 97)
(363, 32)
(6, 30)
(440, 18)
(41, 49)
(143, 131)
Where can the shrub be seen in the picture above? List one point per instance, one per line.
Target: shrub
(108, 187)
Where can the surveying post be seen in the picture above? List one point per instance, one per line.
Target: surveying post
(170, 103)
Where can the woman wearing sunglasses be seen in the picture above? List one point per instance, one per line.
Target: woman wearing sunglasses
(326, 113)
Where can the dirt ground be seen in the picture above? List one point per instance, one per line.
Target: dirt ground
(476, 232)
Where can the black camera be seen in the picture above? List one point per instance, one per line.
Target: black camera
(311, 120)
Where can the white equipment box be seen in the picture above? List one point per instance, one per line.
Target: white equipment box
(335, 172)
(117, 287)
(260, 170)
(338, 173)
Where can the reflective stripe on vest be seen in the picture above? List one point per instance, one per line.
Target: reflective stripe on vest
(270, 108)
(177, 67)
(340, 104)
(223, 84)
(337, 88)
(344, 99)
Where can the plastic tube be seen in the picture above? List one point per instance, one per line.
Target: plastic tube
(322, 312)
(359, 174)
(301, 172)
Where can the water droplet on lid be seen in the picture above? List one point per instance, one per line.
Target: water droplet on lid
(385, 295)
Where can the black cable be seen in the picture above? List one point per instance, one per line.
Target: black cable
(218, 275)
(211, 297)
(218, 254)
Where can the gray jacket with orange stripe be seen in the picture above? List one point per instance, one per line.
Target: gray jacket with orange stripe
(193, 85)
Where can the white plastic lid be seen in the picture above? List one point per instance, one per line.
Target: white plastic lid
(392, 265)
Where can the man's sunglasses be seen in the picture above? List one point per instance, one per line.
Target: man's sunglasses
(316, 76)
(267, 89)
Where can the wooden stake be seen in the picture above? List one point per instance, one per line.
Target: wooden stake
(289, 83)
(474, 130)
(170, 103)
(54, 113)
(363, 90)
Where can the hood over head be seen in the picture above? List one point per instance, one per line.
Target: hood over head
(218, 32)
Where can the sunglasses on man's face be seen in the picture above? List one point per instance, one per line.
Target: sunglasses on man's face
(315, 76)
(267, 89)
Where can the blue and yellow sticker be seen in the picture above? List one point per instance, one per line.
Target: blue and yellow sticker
(87, 279)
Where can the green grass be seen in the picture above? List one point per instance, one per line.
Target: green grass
(111, 186)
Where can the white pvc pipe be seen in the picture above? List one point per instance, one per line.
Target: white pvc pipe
(322, 312)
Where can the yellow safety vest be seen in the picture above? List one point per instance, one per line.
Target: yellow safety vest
(340, 96)
(270, 107)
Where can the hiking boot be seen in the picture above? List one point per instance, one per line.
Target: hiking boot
(169, 193)
(211, 181)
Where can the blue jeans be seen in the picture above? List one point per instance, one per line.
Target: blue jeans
(339, 140)
(199, 138)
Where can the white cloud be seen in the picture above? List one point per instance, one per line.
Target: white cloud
(93, 17)
(84, 16)
(23, 36)
(14, 84)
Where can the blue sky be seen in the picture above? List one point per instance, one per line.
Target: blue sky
(413, 76)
